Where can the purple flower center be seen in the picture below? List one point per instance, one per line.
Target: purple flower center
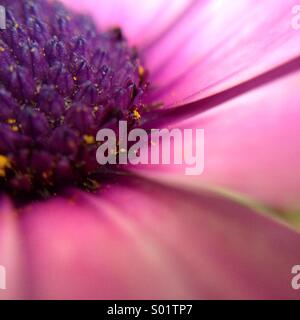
(61, 80)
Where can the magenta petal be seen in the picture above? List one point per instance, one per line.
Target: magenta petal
(143, 240)
(218, 45)
(11, 254)
(251, 145)
(142, 21)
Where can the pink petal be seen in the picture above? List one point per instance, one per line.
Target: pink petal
(11, 255)
(251, 145)
(142, 240)
(218, 45)
(142, 21)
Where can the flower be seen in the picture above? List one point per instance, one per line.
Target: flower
(230, 233)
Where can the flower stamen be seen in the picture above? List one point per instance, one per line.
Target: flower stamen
(61, 80)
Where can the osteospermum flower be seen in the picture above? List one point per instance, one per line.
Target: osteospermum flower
(149, 232)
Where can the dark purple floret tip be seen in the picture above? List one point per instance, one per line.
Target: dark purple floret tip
(61, 80)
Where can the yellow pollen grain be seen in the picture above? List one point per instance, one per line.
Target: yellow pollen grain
(2, 49)
(113, 152)
(4, 164)
(88, 139)
(136, 115)
(11, 121)
(75, 78)
(141, 71)
(15, 128)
